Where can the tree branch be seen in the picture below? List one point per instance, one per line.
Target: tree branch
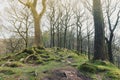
(43, 9)
(117, 20)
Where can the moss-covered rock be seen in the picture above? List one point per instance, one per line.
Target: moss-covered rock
(103, 63)
(86, 67)
(113, 75)
(103, 69)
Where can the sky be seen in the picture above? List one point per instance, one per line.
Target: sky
(3, 7)
(3, 4)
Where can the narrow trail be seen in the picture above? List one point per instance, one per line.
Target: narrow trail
(66, 74)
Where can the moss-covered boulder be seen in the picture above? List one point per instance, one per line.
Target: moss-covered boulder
(87, 67)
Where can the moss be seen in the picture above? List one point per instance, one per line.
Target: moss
(102, 68)
(104, 63)
(39, 62)
(41, 48)
(6, 57)
(41, 51)
(114, 75)
(29, 51)
(75, 51)
(22, 55)
(86, 67)
(42, 60)
(31, 58)
(45, 56)
(7, 72)
(13, 64)
(70, 56)
(97, 66)
(57, 49)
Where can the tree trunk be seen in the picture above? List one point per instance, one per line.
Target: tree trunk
(81, 46)
(26, 41)
(58, 38)
(99, 38)
(38, 33)
(110, 52)
(88, 46)
(65, 34)
(78, 41)
(51, 35)
(32, 5)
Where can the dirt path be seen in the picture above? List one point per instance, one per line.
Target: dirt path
(66, 74)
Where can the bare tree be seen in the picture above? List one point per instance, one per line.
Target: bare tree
(59, 20)
(112, 26)
(89, 33)
(32, 5)
(13, 44)
(79, 24)
(52, 22)
(20, 21)
(66, 21)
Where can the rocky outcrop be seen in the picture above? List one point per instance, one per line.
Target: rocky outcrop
(66, 74)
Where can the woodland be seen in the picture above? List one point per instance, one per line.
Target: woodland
(59, 40)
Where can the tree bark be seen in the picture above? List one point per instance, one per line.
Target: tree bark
(38, 33)
(65, 34)
(99, 38)
(88, 36)
(109, 45)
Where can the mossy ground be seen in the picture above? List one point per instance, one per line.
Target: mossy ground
(100, 70)
(34, 64)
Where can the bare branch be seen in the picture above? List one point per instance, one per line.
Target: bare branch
(43, 9)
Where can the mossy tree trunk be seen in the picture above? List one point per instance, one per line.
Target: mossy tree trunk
(32, 5)
(99, 38)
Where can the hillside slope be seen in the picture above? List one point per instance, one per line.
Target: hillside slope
(54, 64)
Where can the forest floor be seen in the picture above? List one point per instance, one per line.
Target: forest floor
(54, 64)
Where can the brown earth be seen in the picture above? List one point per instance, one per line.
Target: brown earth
(68, 73)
